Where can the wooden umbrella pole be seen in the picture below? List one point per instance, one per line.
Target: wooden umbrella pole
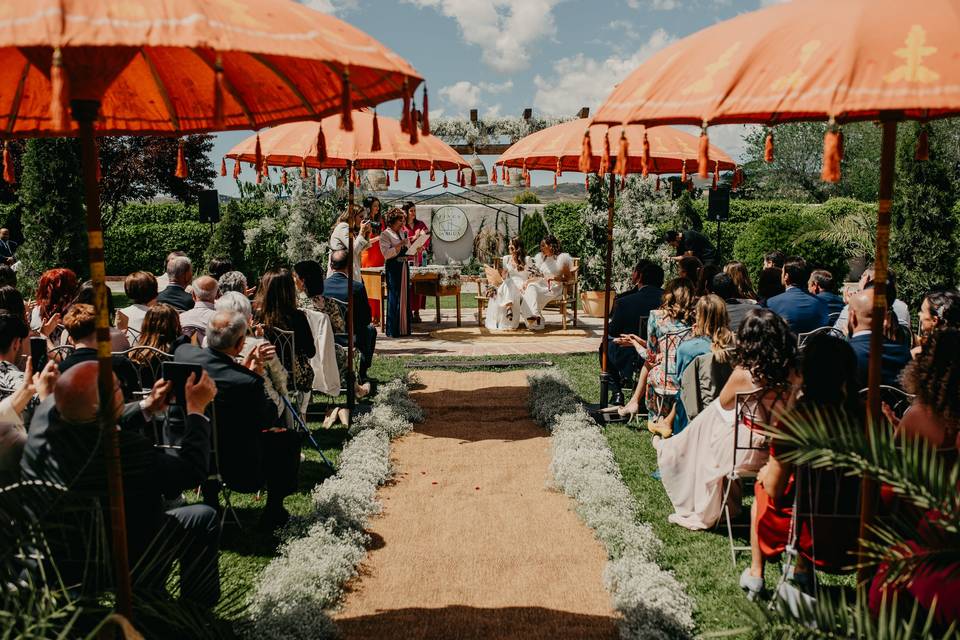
(608, 276)
(351, 394)
(874, 413)
(85, 113)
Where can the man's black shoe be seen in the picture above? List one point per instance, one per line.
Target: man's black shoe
(617, 399)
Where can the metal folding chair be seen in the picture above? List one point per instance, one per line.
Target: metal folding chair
(822, 331)
(666, 393)
(149, 367)
(60, 352)
(897, 399)
(833, 317)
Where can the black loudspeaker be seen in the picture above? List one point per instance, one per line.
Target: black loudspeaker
(209, 204)
(718, 205)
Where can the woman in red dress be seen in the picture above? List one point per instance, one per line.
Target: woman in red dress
(412, 226)
(373, 257)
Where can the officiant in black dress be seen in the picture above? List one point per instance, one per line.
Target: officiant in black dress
(395, 245)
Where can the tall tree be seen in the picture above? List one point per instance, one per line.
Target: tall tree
(51, 201)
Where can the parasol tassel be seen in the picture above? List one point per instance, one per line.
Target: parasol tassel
(737, 177)
(473, 178)
(317, 179)
(283, 178)
(586, 154)
(586, 182)
(622, 156)
(396, 171)
(506, 176)
(59, 93)
(257, 155)
(605, 158)
(346, 104)
(433, 172)
(768, 148)
(463, 180)
(658, 184)
(223, 167)
(446, 183)
(683, 172)
(353, 174)
(414, 133)
(321, 145)
(387, 175)
(922, 153)
(716, 175)
(703, 155)
(375, 145)
(8, 174)
(303, 169)
(218, 93)
(645, 158)
(404, 122)
(418, 180)
(493, 174)
(236, 169)
(426, 113)
(831, 156)
(181, 171)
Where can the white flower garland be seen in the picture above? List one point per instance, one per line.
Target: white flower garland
(651, 600)
(487, 130)
(322, 551)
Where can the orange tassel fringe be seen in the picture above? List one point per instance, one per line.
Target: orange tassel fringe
(303, 169)
(396, 171)
(223, 167)
(716, 175)
(426, 113)
(9, 176)
(645, 158)
(831, 156)
(321, 145)
(446, 183)
(258, 155)
(586, 154)
(768, 148)
(414, 133)
(703, 157)
(59, 93)
(346, 104)
(622, 157)
(605, 158)
(473, 178)
(433, 172)
(181, 171)
(236, 169)
(375, 145)
(683, 172)
(493, 175)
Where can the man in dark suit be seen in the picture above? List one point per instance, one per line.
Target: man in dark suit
(895, 355)
(821, 285)
(364, 331)
(630, 311)
(691, 243)
(802, 311)
(7, 247)
(80, 323)
(180, 273)
(252, 451)
(64, 446)
(737, 309)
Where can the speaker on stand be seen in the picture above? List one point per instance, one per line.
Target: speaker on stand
(208, 202)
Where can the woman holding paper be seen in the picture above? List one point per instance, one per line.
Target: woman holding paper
(396, 247)
(505, 307)
(413, 226)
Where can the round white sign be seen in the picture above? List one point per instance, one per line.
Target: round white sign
(449, 223)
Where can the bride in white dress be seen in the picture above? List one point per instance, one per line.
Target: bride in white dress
(505, 306)
(554, 268)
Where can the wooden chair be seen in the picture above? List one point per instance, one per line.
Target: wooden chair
(571, 288)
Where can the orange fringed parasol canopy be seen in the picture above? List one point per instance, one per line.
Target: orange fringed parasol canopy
(802, 60)
(558, 148)
(296, 144)
(185, 66)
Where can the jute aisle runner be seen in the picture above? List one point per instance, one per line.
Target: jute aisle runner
(472, 543)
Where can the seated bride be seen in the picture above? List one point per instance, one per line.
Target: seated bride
(505, 306)
(551, 269)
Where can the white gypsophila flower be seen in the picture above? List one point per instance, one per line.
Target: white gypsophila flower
(652, 602)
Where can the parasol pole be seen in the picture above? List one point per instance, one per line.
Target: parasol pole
(85, 113)
(608, 276)
(351, 395)
(868, 493)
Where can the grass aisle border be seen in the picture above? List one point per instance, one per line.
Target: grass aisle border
(323, 550)
(652, 602)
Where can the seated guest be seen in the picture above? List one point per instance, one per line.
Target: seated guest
(8, 277)
(711, 334)
(55, 292)
(160, 330)
(933, 378)
(276, 305)
(16, 412)
(555, 268)
(939, 310)
(65, 445)
(737, 307)
(204, 295)
(252, 452)
(118, 337)
(769, 284)
(163, 279)
(802, 311)
(741, 280)
(13, 332)
(691, 243)
(141, 288)
(899, 307)
(11, 301)
(774, 260)
(631, 309)
(232, 281)
(80, 323)
(180, 273)
(828, 395)
(364, 332)
(694, 463)
(895, 354)
(689, 267)
(219, 266)
(704, 281)
(822, 286)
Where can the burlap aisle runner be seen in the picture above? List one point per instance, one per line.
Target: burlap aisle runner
(472, 543)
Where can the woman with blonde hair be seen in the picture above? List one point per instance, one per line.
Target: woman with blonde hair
(741, 280)
(711, 334)
(350, 223)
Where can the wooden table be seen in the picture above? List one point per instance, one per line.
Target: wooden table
(424, 284)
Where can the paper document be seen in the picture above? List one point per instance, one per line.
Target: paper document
(418, 242)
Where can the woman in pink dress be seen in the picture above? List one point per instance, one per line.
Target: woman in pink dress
(412, 226)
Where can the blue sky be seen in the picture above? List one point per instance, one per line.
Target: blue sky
(500, 56)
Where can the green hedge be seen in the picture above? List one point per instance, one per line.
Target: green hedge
(135, 213)
(783, 231)
(566, 220)
(532, 232)
(130, 248)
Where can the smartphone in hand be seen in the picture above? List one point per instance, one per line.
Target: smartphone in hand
(38, 352)
(178, 373)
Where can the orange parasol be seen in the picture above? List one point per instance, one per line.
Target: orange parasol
(298, 144)
(883, 60)
(558, 148)
(146, 67)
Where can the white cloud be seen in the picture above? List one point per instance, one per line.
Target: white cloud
(494, 87)
(580, 81)
(505, 30)
(493, 111)
(625, 26)
(656, 5)
(331, 6)
(461, 95)
(767, 3)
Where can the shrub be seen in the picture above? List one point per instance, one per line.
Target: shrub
(526, 197)
(790, 233)
(265, 242)
(136, 247)
(532, 231)
(227, 239)
(154, 213)
(568, 222)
